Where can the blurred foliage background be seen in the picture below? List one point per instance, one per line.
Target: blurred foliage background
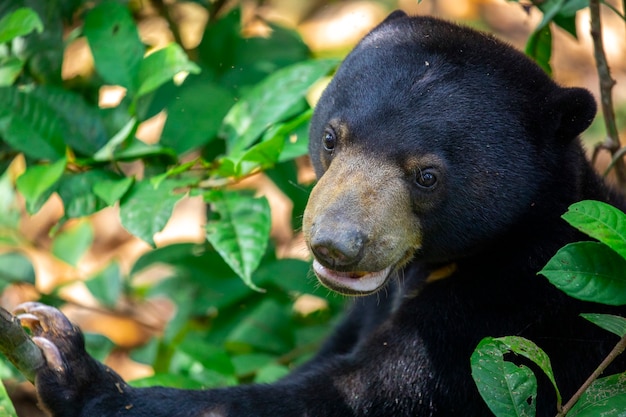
(153, 169)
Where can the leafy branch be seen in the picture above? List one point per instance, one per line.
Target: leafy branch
(617, 350)
(589, 271)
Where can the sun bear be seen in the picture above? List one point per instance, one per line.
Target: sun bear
(445, 159)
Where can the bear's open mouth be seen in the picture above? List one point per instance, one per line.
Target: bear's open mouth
(351, 283)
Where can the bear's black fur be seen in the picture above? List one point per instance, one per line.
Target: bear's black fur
(445, 159)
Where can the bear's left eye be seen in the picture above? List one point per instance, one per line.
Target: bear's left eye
(425, 178)
(329, 140)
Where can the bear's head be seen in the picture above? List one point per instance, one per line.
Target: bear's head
(431, 141)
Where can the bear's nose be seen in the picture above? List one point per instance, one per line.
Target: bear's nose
(338, 248)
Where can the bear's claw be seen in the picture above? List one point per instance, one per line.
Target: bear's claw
(51, 331)
(43, 320)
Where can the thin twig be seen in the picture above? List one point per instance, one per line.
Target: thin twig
(617, 350)
(612, 142)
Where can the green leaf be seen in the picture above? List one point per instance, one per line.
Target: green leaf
(263, 329)
(271, 373)
(261, 156)
(10, 69)
(174, 171)
(42, 51)
(210, 356)
(589, 271)
(29, 125)
(41, 121)
(106, 285)
(568, 23)
(76, 191)
(112, 191)
(98, 346)
(531, 351)
(296, 134)
(601, 221)
(115, 44)
(161, 66)
(550, 9)
(508, 390)
(539, 48)
(572, 6)
(19, 23)
(78, 122)
(15, 267)
(145, 210)
(268, 102)
(251, 363)
(606, 397)
(6, 406)
(239, 62)
(38, 180)
(10, 211)
(137, 149)
(242, 231)
(194, 118)
(609, 322)
(71, 244)
(107, 152)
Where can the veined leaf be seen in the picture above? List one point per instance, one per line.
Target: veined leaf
(263, 106)
(550, 9)
(19, 23)
(80, 123)
(10, 69)
(70, 245)
(606, 397)
(161, 66)
(609, 322)
(42, 121)
(37, 181)
(29, 125)
(242, 231)
(589, 271)
(76, 191)
(145, 210)
(112, 190)
(194, 118)
(601, 221)
(115, 44)
(106, 285)
(539, 48)
(260, 156)
(509, 390)
(15, 267)
(263, 329)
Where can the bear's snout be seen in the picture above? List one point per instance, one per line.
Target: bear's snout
(337, 248)
(355, 224)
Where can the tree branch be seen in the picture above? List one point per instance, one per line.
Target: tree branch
(612, 142)
(18, 347)
(617, 350)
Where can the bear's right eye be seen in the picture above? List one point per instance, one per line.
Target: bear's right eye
(329, 140)
(425, 178)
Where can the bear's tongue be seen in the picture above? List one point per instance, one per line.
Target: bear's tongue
(350, 282)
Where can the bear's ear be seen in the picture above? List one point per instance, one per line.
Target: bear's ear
(573, 110)
(394, 15)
